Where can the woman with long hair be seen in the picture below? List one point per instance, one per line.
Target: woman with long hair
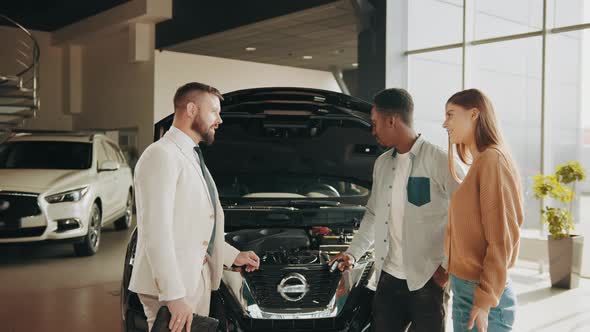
(485, 215)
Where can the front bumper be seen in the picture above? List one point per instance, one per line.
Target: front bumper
(42, 225)
(353, 317)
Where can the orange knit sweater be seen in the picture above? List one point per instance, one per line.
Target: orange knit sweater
(483, 232)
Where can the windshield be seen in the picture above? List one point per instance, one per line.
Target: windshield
(45, 155)
(286, 186)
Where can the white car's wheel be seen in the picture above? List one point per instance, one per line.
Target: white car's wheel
(125, 221)
(89, 246)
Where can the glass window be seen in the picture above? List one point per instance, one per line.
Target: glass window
(101, 153)
(495, 18)
(510, 74)
(433, 77)
(448, 16)
(45, 155)
(116, 152)
(110, 153)
(567, 107)
(567, 12)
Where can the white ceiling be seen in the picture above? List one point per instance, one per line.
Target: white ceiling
(327, 33)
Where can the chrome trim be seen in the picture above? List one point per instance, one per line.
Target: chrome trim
(31, 195)
(16, 193)
(241, 292)
(300, 290)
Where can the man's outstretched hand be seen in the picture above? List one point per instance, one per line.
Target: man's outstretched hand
(345, 261)
(249, 260)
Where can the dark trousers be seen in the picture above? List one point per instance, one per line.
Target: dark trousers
(395, 308)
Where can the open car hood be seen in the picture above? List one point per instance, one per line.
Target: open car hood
(295, 131)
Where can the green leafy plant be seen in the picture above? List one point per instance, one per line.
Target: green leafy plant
(557, 186)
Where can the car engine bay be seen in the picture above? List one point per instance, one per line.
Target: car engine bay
(292, 246)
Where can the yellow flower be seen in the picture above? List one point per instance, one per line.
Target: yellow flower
(570, 172)
(557, 186)
(548, 185)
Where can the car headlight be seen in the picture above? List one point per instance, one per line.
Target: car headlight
(67, 196)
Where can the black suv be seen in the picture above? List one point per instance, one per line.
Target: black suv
(294, 169)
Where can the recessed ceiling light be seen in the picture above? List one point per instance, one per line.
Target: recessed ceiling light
(355, 65)
(339, 51)
(307, 57)
(250, 49)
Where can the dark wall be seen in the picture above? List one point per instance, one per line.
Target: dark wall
(193, 19)
(50, 15)
(351, 79)
(371, 50)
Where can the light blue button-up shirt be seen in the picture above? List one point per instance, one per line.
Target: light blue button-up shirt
(429, 190)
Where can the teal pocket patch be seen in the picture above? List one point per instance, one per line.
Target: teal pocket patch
(418, 190)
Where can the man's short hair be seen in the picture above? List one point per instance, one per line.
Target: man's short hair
(395, 102)
(181, 97)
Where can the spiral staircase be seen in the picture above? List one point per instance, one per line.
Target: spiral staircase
(19, 79)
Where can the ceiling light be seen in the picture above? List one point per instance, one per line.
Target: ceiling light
(307, 57)
(250, 49)
(355, 65)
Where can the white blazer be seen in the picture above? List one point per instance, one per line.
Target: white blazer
(174, 222)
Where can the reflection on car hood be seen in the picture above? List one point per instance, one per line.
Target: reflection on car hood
(38, 180)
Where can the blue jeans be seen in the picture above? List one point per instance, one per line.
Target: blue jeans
(500, 319)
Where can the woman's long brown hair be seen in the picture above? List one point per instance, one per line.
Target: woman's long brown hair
(487, 131)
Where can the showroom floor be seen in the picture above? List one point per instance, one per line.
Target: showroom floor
(46, 288)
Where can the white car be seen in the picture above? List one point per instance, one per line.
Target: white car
(63, 188)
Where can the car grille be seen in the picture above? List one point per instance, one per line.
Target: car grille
(322, 324)
(13, 207)
(322, 286)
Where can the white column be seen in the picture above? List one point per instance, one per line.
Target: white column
(141, 42)
(396, 62)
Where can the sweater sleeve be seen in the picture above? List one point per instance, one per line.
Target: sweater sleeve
(501, 216)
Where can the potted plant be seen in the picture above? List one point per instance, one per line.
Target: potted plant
(565, 249)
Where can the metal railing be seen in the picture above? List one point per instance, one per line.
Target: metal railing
(19, 77)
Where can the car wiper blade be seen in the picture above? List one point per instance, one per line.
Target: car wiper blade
(257, 207)
(296, 203)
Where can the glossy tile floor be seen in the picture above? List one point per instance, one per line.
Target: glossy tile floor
(543, 309)
(45, 288)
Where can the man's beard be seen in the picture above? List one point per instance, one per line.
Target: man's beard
(207, 134)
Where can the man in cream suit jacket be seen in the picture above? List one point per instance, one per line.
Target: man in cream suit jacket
(181, 249)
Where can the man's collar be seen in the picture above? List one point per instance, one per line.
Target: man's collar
(182, 139)
(414, 150)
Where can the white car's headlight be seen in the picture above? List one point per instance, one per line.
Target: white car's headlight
(67, 196)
